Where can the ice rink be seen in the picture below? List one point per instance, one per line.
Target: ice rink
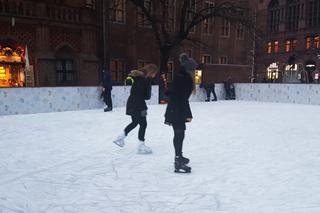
(246, 157)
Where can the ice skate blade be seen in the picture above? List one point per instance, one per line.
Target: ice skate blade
(182, 171)
(144, 153)
(118, 144)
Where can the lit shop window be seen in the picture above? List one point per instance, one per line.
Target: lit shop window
(269, 47)
(317, 41)
(290, 45)
(276, 46)
(308, 42)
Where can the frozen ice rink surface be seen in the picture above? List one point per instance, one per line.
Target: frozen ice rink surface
(246, 157)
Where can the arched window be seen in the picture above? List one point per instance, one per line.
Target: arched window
(313, 10)
(274, 16)
(293, 14)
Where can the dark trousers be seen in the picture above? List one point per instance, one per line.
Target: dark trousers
(209, 90)
(107, 98)
(178, 138)
(137, 119)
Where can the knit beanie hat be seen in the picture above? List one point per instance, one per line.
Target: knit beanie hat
(188, 63)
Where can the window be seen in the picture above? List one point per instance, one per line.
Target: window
(206, 59)
(316, 41)
(117, 11)
(290, 45)
(225, 30)
(223, 60)
(91, 4)
(142, 18)
(308, 42)
(117, 68)
(313, 11)
(287, 45)
(240, 31)
(170, 71)
(276, 46)
(207, 24)
(65, 74)
(269, 47)
(191, 10)
(170, 8)
(293, 14)
(274, 16)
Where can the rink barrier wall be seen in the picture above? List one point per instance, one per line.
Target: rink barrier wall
(279, 93)
(57, 99)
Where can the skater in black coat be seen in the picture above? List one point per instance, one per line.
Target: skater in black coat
(107, 87)
(178, 110)
(137, 107)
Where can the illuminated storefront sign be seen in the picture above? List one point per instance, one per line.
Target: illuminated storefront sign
(293, 67)
(11, 67)
(273, 71)
(198, 76)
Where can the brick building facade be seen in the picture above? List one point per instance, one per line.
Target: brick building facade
(68, 41)
(61, 38)
(226, 52)
(290, 40)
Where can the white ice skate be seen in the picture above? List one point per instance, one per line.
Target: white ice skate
(143, 149)
(120, 140)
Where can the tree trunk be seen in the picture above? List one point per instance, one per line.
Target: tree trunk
(164, 58)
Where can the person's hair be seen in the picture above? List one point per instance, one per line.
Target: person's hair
(149, 68)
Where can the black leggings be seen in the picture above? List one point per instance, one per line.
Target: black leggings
(178, 138)
(142, 121)
(107, 98)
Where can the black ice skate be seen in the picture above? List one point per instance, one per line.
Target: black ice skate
(180, 165)
(107, 109)
(184, 160)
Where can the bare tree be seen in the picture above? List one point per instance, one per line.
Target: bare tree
(157, 13)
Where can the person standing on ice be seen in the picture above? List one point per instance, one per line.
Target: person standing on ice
(137, 107)
(106, 91)
(178, 110)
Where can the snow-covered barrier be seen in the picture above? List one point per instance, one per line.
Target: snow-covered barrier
(280, 93)
(56, 99)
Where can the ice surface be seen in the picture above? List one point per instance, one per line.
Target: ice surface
(246, 158)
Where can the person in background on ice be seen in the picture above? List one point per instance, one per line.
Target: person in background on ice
(137, 107)
(209, 88)
(178, 110)
(107, 87)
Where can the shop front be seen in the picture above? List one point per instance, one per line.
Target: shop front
(12, 66)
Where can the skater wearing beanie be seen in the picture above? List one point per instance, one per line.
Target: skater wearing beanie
(178, 110)
(137, 107)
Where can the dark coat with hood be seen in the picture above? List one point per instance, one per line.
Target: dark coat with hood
(140, 91)
(178, 108)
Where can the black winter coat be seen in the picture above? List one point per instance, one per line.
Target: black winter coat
(178, 108)
(107, 81)
(140, 91)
